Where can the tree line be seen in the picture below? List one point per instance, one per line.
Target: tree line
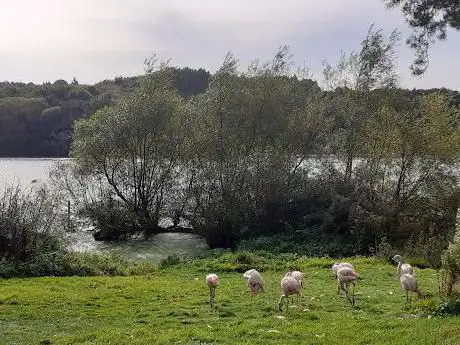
(264, 157)
(37, 120)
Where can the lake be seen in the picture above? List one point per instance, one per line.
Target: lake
(27, 171)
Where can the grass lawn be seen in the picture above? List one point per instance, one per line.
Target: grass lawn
(171, 307)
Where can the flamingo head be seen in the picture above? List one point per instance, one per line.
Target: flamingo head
(397, 258)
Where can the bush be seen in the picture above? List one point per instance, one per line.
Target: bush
(245, 258)
(28, 225)
(226, 261)
(63, 263)
(170, 260)
(384, 250)
(308, 242)
(427, 253)
(451, 263)
(450, 306)
(112, 218)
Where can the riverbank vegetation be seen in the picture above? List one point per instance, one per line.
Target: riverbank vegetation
(262, 158)
(265, 158)
(265, 154)
(32, 243)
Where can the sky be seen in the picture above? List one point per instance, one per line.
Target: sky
(94, 40)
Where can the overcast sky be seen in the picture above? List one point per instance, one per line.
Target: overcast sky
(95, 40)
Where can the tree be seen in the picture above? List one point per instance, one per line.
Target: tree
(353, 77)
(250, 134)
(405, 181)
(430, 20)
(135, 147)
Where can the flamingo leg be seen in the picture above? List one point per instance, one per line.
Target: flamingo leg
(353, 294)
(211, 296)
(280, 303)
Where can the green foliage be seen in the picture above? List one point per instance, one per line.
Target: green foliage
(62, 263)
(451, 264)
(373, 67)
(28, 221)
(171, 260)
(134, 147)
(385, 250)
(242, 153)
(24, 133)
(92, 264)
(263, 260)
(430, 20)
(245, 156)
(309, 243)
(247, 133)
(112, 219)
(240, 261)
(31, 245)
(449, 306)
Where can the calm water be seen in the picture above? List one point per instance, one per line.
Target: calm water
(28, 171)
(24, 171)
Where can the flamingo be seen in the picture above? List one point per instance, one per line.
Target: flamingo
(338, 265)
(297, 275)
(289, 286)
(409, 283)
(402, 267)
(345, 277)
(212, 280)
(254, 280)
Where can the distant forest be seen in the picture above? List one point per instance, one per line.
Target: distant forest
(37, 120)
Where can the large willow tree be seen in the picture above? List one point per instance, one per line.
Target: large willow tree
(251, 132)
(135, 147)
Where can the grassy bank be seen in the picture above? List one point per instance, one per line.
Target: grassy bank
(170, 306)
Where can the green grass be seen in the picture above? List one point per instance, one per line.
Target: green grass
(170, 306)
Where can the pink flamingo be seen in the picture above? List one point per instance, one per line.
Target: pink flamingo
(345, 277)
(289, 286)
(212, 280)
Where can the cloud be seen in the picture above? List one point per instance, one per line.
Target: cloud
(98, 39)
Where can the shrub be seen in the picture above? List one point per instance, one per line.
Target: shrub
(308, 242)
(170, 260)
(450, 306)
(385, 250)
(112, 218)
(226, 261)
(245, 258)
(28, 224)
(75, 264)
(451, 263)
